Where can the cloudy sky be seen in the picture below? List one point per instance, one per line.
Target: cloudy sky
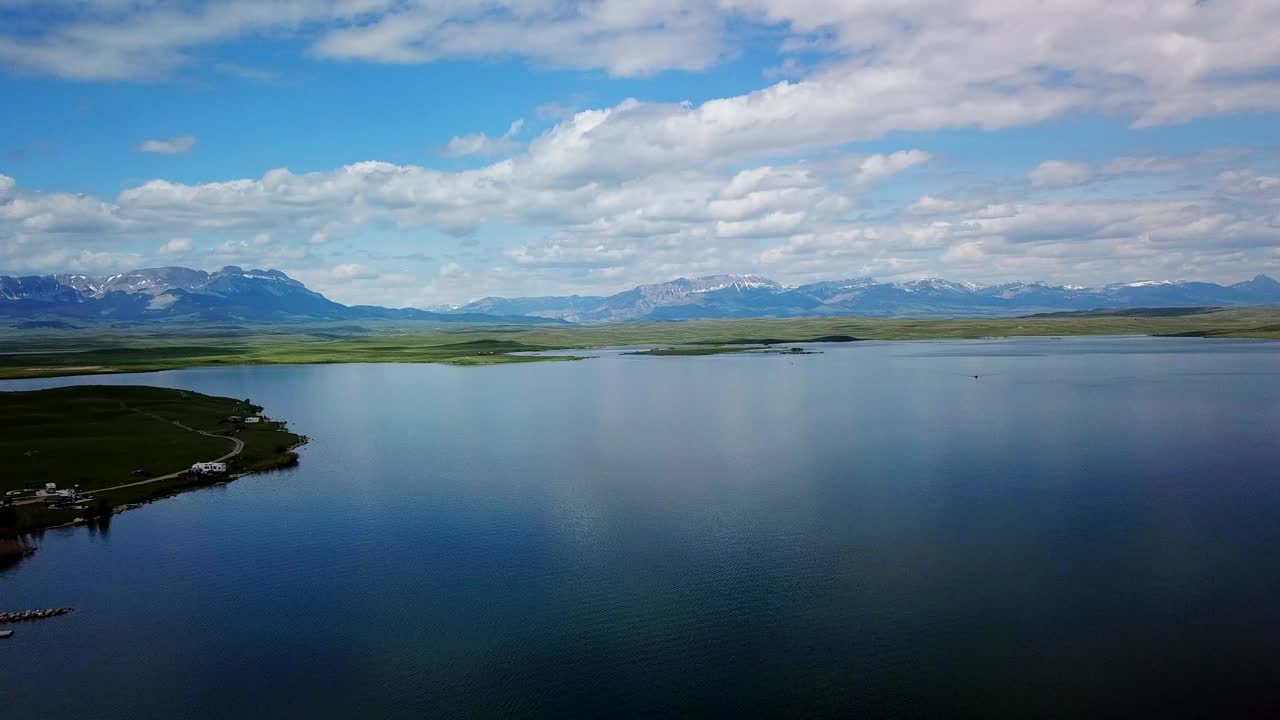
(413, 152)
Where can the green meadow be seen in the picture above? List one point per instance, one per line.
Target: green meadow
(56, 351)
(93, 437)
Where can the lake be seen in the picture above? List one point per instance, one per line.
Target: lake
(1090, 526)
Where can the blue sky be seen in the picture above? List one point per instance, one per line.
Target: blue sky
(398, 153)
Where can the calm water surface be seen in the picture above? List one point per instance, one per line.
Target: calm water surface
(1092, 525)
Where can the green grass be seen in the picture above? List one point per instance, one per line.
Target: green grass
(753, 349)
(692, 351)
(97, 437)
(48, 352)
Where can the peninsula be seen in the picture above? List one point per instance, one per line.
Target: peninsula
(84, 451)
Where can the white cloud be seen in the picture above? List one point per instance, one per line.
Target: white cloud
(1056, 173)
(772, 225)
(565, 252)
(255, 252)
(623, 37)
(932, 205)
(894, 65)
(1249, 184)
(56, 213)
(1083, 241)
(170, 146)
(875, 168)
(352, 271)
(176, 246)
(796, 221)
(1154, 60)
(482, 144)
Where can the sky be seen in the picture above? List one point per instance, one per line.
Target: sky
(420, 152)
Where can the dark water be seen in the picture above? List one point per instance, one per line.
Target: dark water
(1092, 526)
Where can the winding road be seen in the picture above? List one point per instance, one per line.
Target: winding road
(237, 448)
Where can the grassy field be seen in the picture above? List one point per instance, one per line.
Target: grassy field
(54, 351)
(694, 350)
(98, 437)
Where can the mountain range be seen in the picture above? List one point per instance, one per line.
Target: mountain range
(235, 294)
(749, 296)
(176, 293)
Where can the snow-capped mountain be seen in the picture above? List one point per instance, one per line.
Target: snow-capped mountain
(230, 294)
(683, 298)
(235, 294)
(739, 296)
(152, 281)
(553, 306)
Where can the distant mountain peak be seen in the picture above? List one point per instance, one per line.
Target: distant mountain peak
(713, 283)
(236, 294)
(230, 294)
(1148, 283)
(941, 285)
(750, 295)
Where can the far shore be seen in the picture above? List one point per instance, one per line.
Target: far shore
(87, 351)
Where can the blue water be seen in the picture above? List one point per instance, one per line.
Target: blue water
(1091, 526)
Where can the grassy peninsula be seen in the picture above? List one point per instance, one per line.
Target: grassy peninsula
(124, 445)
(48, 352)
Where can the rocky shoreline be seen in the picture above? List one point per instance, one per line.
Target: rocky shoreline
(29, 615)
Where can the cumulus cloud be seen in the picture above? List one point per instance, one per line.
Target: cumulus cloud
(639, 190)
(933, 205)
(1250, 184)
(1071, 241)
(352, 271)
(1056, 173)
(1059, 173)
(625, 38)
(176, 246)
(482, 144)
(795, 220)
(257, 251)
(875, 168)
(772, 225)
(905, 64)
(170, 146)
(567, 252)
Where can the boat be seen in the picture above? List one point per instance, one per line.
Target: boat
(5, 634)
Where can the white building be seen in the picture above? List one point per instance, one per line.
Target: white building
(252, 420)
(209, 468)
(58, 496)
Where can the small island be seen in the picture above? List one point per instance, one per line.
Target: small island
(755, 346)
(79, 454)
(686, 350)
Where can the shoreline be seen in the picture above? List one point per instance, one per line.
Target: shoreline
(81, 453)
(51, 354)
(172, 492)
(534, 354)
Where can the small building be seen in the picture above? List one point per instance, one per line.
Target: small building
(209, 468)
(50, 487)
(253, 420)
(62, 496)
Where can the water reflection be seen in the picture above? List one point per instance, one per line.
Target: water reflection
(870, 529)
